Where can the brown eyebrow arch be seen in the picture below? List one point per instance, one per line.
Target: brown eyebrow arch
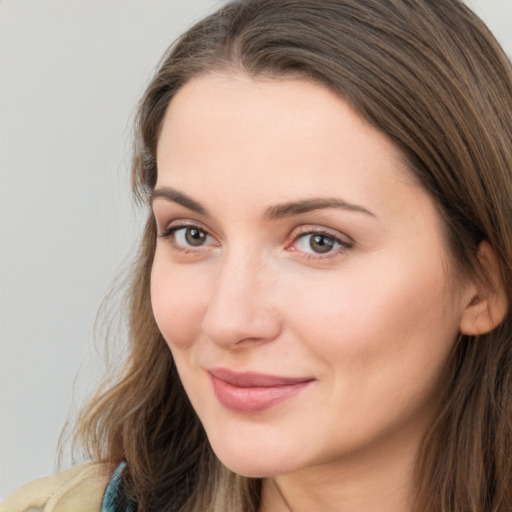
(174, 196)
(276, 212)
(308, 205)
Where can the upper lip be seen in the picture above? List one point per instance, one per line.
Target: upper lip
(253, 379)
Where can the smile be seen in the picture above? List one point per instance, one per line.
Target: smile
(252, 392)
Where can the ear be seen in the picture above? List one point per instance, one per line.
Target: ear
(486, 302)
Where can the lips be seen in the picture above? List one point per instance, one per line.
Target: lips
(253, 392)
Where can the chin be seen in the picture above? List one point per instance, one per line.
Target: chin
(254, 462)
(252, 468)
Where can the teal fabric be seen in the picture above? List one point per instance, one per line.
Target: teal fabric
(110, 497)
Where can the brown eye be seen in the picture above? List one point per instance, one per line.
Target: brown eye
(321, 243)
(195, 237)
(184, 237)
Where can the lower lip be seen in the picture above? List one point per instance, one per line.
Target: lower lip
(254, 399)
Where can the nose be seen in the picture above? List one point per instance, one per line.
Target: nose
(241, 310)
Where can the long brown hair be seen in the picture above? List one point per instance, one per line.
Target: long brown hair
(429, 75)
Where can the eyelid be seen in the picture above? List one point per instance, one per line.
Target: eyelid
(315, 229)
(174, 226)
(344, 241)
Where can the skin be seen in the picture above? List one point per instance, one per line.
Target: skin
(371, 321)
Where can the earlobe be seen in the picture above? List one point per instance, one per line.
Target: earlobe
(487, 302)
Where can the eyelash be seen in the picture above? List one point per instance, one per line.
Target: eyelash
(169, 234)
(303, 232)
(297, 235)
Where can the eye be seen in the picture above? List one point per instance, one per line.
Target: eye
(191, 236)
(319, 244)
(187, 237)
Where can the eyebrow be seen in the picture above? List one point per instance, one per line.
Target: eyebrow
(174, 196)
(276, 212)
(308, 205)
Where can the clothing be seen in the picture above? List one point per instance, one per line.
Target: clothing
(111, 498)
(85, 488)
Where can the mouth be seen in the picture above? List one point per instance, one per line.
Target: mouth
(250, 392)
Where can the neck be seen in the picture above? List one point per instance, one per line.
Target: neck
(371, 479)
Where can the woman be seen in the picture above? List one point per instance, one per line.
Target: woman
(319, 312)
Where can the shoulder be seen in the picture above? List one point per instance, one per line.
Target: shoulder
(79, 489)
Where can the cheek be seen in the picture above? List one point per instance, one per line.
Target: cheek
(178, 304)
(383, 317)
(381, 343)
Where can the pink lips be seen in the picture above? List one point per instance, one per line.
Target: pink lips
(252, 392)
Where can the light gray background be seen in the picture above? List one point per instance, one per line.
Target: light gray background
(71, 72)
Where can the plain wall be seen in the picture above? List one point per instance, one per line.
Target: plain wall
(71, 73)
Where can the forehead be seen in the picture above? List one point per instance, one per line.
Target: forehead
(235, 105)
(230, 126)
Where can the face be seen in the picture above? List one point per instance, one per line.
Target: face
(300, 279)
